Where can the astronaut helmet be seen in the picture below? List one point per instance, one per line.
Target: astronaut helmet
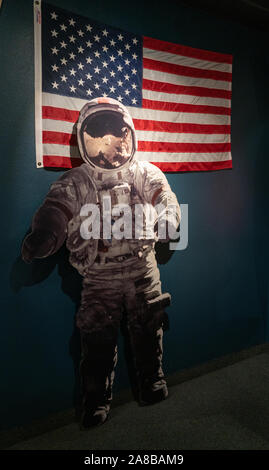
(106, 135)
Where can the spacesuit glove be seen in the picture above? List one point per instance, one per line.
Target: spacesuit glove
(38, 244)
(166, 229)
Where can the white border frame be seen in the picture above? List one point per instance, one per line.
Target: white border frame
(38, 83)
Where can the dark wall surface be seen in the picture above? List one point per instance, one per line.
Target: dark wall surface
(219, 284)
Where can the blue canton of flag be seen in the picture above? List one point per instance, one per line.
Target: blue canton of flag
(85, 59)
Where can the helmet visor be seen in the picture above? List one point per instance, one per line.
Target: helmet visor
(107, 140)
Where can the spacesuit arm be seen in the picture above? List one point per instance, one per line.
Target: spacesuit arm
(157, 191)
(49, 224)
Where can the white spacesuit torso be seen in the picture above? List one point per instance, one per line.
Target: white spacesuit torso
(131, 188)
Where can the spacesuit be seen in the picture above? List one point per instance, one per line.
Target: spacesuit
(121, 281)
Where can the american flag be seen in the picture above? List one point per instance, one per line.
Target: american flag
(179, 97)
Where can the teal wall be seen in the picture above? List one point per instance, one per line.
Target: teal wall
(219, 283)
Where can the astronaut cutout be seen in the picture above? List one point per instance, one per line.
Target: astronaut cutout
(120, 276)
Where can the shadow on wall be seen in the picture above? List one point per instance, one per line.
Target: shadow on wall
(27, 275)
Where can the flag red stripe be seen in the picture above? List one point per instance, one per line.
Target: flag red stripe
(185, 90)
(193, 166)
(162, 126)
(144, 146)
(185, 107)
(62, 138)
(185, 71)
(55, 161)
(61, 162)
(60, 114)
(165, 46)
(50, 112)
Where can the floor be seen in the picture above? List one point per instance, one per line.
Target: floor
(224, 409)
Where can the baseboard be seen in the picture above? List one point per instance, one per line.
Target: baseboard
(57, 420)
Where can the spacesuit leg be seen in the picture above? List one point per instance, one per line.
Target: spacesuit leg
(98, 319)
(145, 320)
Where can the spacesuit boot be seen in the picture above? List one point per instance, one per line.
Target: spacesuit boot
(98, 361)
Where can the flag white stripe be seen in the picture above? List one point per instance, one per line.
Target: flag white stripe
(67, 102)
(185, 81)
(64, 151)
(75, 104)
(61, 150)
(150, 136)
(171, 116)
(189, 99)
(59, 126)
(183, 157)
(170, 58)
